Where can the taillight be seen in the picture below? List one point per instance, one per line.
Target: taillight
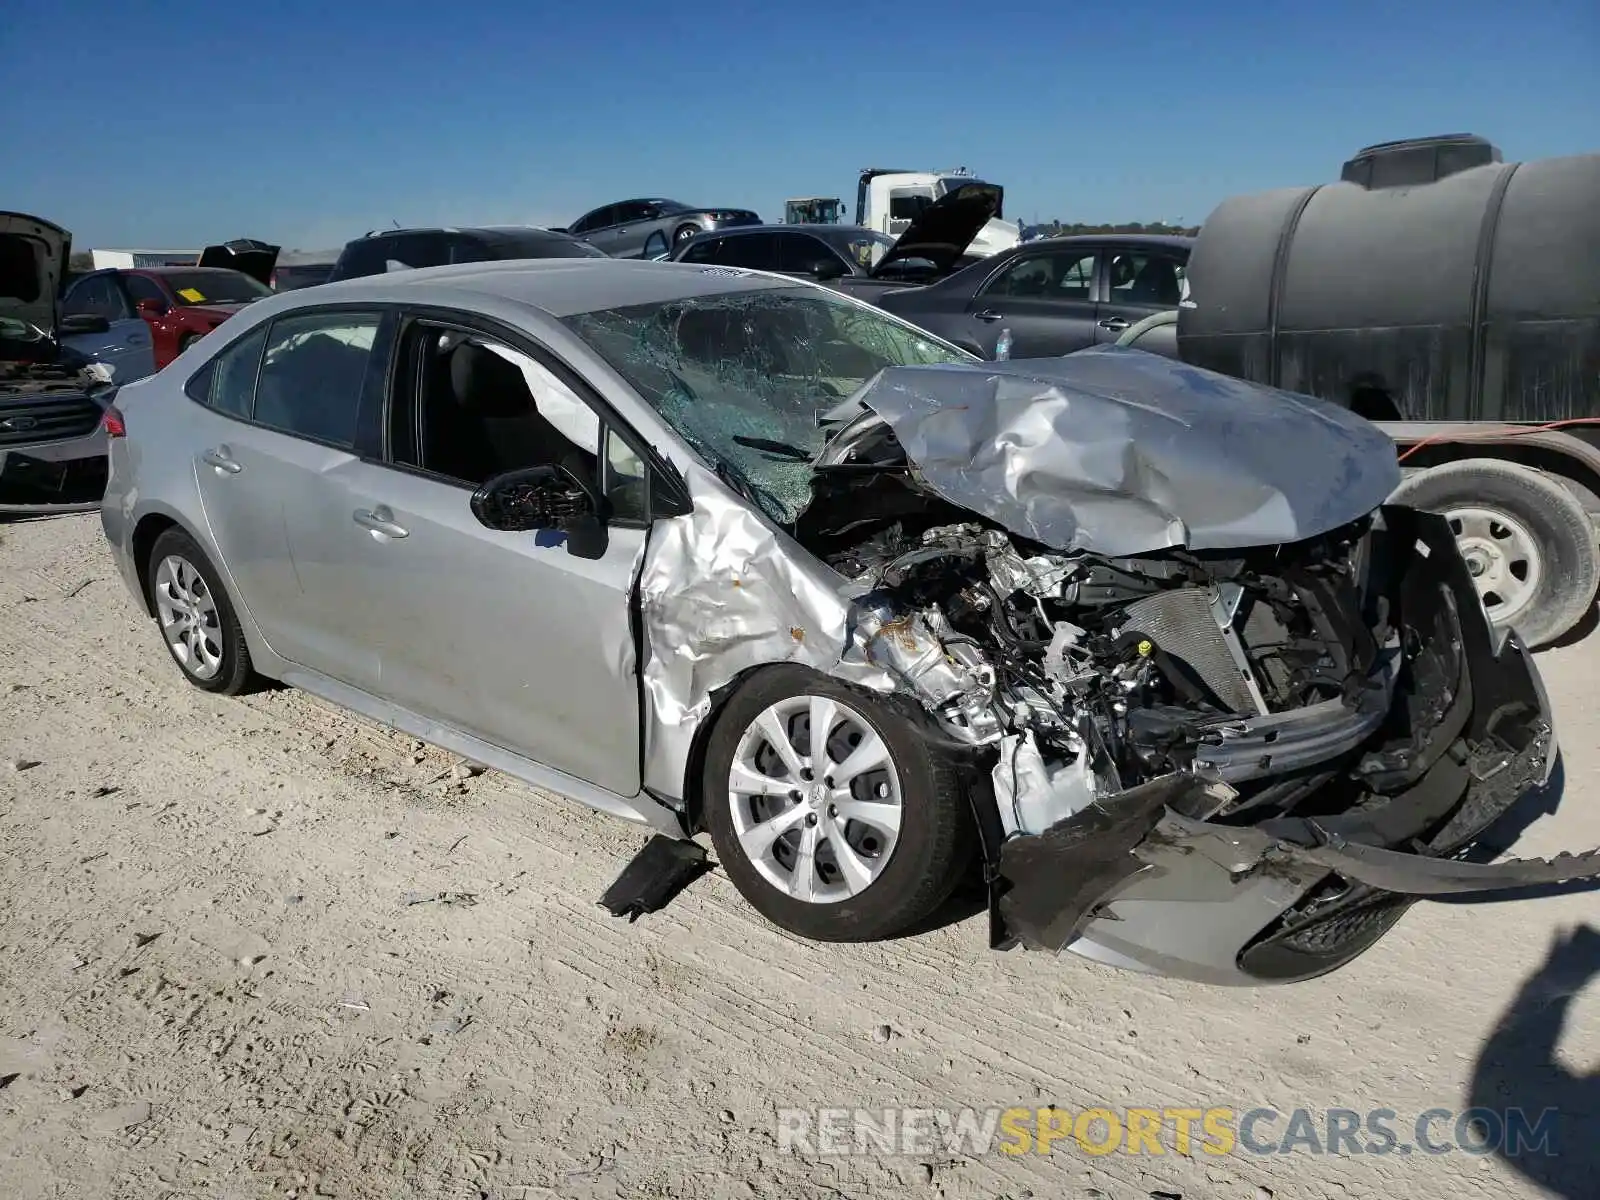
(112, 423)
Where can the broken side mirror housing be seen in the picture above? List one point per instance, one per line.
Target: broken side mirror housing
(540, 498)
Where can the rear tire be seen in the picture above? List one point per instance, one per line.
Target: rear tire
(896, 868)
(1525, 536)
(196, 618)
(188, 340)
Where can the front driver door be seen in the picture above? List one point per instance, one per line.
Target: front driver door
(1045, 298)
(511, 637)
(126, 346)
(635, 222)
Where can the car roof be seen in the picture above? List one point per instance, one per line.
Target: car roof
(1173, 240)
(470, 230)
(560, 287)
(169, 268)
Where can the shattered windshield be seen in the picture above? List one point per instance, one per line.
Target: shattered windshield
(742, 376)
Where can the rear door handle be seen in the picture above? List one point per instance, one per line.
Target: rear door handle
(1115, 324)
(380, 520)
(222, 461)
(988, 314)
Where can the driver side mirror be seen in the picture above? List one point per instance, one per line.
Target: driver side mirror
(824, 270)
(548, 498)
(151, 307)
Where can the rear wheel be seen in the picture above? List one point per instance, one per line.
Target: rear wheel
(187, 340)
(1526, 538)
(831, 815)
(196, 618)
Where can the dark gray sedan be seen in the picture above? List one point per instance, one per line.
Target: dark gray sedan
(650, 228)
(1054, 296)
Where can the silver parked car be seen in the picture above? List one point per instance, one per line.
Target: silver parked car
(715, 550)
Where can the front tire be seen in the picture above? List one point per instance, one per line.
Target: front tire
(1526, 538)
(196, 618)
(855, 834)
(683, 234)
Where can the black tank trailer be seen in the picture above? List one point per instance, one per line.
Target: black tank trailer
(1453, 298)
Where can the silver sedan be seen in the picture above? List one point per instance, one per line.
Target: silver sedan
(714, 550)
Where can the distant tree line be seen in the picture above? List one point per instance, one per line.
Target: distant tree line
(1066, 229)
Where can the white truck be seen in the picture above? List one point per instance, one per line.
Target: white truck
(887, 199)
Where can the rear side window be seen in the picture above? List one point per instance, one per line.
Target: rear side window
(228, 382)
(312, 375)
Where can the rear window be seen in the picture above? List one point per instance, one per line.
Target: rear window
(214, 287)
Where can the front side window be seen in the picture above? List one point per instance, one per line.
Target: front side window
(1145, 280)
(801, 253)
(704, 250)
(141, 287)
(312, 375)
(742, 376)
(1068, 275)
(97, 296)
(755, 251)
(482, 408)
(215, 287)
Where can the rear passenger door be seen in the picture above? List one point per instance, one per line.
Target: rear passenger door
(1044, 297)
(1137, 283)
(277, 421)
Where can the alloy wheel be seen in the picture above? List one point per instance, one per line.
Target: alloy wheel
(188, 615)
(815, 798)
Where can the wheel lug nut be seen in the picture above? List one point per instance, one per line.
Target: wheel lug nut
(805, 773)
(828, 779)
(811, 818)
(795, 795)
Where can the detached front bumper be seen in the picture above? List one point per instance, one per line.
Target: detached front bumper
(1141, 880)
(63, 476)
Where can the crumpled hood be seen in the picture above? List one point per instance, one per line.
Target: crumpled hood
(33, 262)
(1120, 451)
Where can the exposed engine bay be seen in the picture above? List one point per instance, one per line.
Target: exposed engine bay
(1304, 695)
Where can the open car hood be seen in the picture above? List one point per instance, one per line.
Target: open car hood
(943, 231)
(253, 258)
(33, 262)
(1122, 452)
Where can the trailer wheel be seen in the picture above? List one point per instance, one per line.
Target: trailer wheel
(1527, 540)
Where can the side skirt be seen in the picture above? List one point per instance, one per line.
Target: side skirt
(641, 809)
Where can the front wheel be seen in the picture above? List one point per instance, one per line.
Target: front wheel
(831, 815)
(1526, 539)
(684, 233)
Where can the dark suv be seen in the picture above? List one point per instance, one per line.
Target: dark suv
(406, 249)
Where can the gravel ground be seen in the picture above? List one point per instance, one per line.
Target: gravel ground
(260, 947)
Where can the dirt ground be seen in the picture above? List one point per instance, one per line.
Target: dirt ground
(259, 947)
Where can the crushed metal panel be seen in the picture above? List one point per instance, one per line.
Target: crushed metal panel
(721, 592)
(1119, 451)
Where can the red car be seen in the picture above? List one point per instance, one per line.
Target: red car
(180, 304)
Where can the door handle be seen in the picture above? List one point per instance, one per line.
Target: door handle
(988, 314)
(220, 459)
(379, 520)
(1115, 324)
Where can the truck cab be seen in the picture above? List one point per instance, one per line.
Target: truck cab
(887, 200)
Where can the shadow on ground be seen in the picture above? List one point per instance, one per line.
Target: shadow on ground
(1517, 1069)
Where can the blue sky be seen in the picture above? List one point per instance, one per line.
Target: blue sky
(308, 123)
